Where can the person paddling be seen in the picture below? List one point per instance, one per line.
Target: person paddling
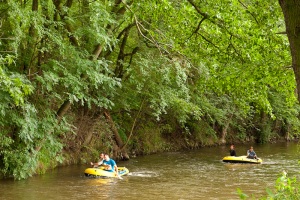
(110, 165)
(251, 153)
(100, 162)
(232, 151)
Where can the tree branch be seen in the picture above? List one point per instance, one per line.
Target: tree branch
(248, 11)
(197, 29)
(121, 56)
(205, 15)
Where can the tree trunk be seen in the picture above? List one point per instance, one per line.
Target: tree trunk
(291, 12)
(119, 142)
(63, 109)
(93, 124)
(224, 130)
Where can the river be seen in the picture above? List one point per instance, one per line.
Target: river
(194, 174)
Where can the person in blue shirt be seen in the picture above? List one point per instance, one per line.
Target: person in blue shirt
(110, 165)
(251, 153)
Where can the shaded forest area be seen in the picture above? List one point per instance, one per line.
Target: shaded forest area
(139, 77)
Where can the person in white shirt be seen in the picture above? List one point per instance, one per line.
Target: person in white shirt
(100, 162)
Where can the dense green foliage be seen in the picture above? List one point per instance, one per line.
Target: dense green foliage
(164, 74)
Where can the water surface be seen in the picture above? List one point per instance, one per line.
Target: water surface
(196, 174)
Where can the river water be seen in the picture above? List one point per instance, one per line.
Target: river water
(195, 174)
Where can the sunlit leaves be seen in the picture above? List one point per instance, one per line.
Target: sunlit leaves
(13, 84)
(237, 44)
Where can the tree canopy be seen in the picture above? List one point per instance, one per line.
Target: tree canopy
(139, 76)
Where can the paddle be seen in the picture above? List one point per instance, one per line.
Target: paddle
(117, 173)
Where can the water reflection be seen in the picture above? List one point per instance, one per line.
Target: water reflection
(197, 174)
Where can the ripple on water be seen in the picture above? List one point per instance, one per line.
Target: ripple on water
(143, 174)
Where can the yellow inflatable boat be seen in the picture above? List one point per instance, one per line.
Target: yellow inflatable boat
(241, 159)
(100, 172)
